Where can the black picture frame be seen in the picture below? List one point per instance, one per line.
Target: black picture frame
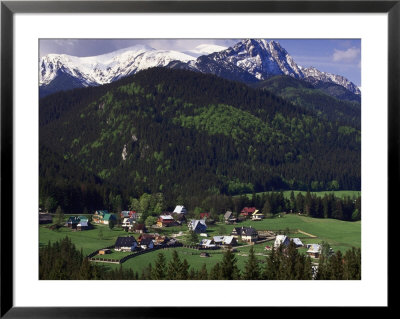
(9, 8)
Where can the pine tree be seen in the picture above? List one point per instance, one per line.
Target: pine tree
(216, 272)
(174, 266)
(251, 269)
(159, 270)
(203, 275)
(229, 269)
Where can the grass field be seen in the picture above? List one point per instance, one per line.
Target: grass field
(340, 235)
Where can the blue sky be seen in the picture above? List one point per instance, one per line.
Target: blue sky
(338, 56)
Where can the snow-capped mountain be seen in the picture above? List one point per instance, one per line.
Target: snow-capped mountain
(249, 61)
(106, 68)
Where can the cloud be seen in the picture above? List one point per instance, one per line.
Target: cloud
(349, 55)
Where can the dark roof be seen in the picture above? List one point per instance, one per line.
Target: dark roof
(73, 219)
(146, 241)
(125, 241)
(249, 231)
(246, 231)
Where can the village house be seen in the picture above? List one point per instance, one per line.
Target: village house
(257, 215)
(129, 214)
(297, 242)
(229, 242)
(179, 218)
(147, 243)
(204, 215)
(138, 228)
(314, 250)
(45, 218)
(198, 226)
(166, 221)
(281, 240)
(72, 222)
(247, 212)
(83, 224)
(126, 244)
(145, 236)
(109, 217)
(128, 223)
(207, 243)
(99, 216)
(229, 217)
(180, 209)
(248, 234)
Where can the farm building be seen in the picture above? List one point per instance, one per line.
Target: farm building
(198, 226)
(109, 217)
(129, 214)
(229, 241)
(207, 243)
(247, 212)
(204, 215)
(83, 225)
(180, 209)
(281, 240)
(257, 215)
(166, 221)
(104, 251)
(126, 244)
(248, 234)
(98, 216)
(73, 222)
(229, 217)
(297, 242)
(139, 228)
(314, 250)
(128, 223)
(179, 218)
(45, 218)
(147, 243)
(146, 236)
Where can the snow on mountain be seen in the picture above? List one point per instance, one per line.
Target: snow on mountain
(205, 49)
(249, 60)
(101, 69)
(311, 74)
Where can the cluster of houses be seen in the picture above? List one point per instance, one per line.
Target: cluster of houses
(144, 242)
(314, 250)
(78, 223)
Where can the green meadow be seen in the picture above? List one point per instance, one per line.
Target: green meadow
(341, 235)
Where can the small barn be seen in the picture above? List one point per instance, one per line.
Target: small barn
(147, 243)
(109, 217)
(45, 218)
(73, 222)
(180, 209)
(257, 215)
(83, 225)
(314, 250)
(297, 242)
(126, 244)
(198, 226)
(281, 240)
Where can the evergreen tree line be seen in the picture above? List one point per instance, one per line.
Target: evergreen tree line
(61, 261)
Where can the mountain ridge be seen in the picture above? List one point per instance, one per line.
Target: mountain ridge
(248, 61)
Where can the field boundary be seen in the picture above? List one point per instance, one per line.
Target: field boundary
(309, 235)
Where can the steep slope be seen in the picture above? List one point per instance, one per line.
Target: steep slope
(185, 133)
(322, 100)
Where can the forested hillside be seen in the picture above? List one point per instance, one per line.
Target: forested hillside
(184, 133)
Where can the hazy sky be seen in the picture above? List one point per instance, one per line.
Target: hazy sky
(338, 56)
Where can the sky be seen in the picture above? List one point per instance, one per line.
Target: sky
(337, 56)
